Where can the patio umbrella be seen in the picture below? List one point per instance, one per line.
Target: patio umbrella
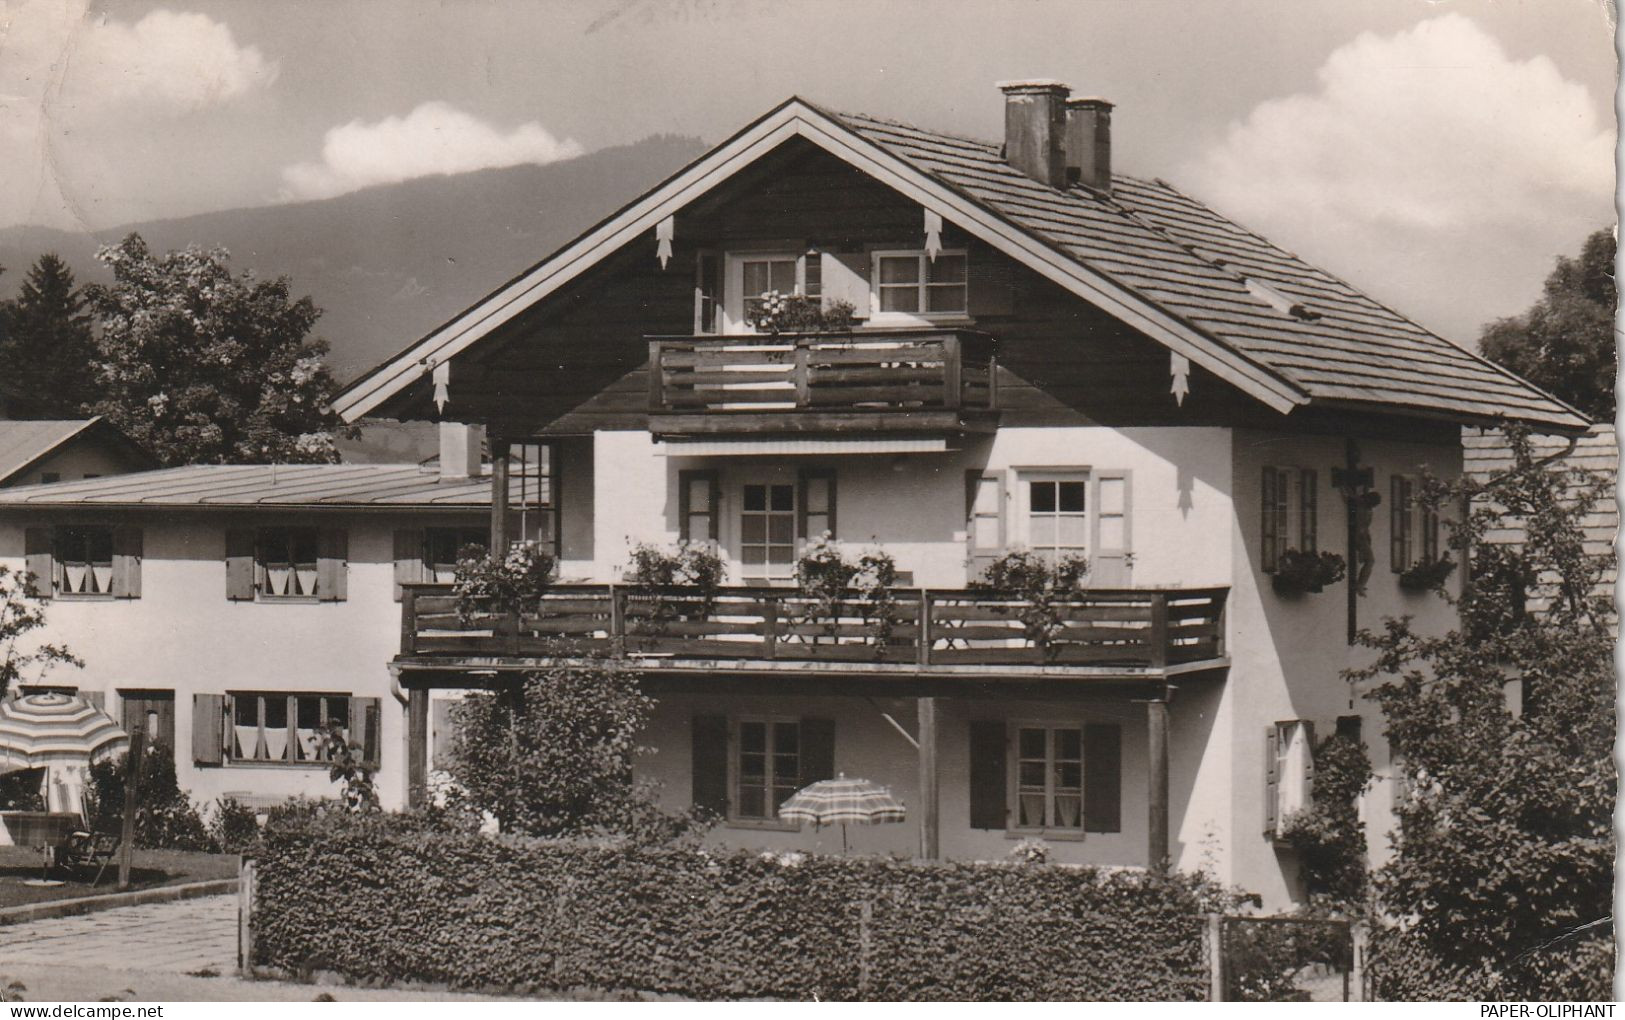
(842, 800)
(54, 730)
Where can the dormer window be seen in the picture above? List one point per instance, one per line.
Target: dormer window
(912, 285)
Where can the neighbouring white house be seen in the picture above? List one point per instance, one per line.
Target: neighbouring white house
(40, 452)
(1047, 356)
(232, 612)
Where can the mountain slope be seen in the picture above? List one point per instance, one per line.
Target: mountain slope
(389, 263)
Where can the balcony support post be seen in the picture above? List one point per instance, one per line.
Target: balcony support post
(499, 497)
(930, 847)
(1159, 630)
(417, 748)
(925, 627)
(1156, 718)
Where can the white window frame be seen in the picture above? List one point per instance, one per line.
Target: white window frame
(733, 285)
(768, 479)
(1013, 778)
(736, 747)
(1023, 537)
(262, 570)
(878, 317)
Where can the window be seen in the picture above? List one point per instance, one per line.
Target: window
(285, 561)
(284, 728)
(1290, 512)
(1049, 777)
(84, 561)
(768, 767)
(441, 546)
(533, 494)
(47, 477)
(910, 283)
(751, 274)
(1413, 526)
(707, 292)
(817, 502)
(1290, 765)
(698, 494)
(1057, 517)
(767, 531)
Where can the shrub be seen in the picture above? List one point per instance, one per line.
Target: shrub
(379, 899)
(673, 583)
(1427, 575)
(20, 791)
(234, 826)
(830, 581)
(165, 817)
(794, 313)
(1298, 573)
(486, 583)
(1042, 590)
(1328, 835)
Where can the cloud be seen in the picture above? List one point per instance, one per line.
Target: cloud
(1426, 153)
(435, 138)
(68, 78)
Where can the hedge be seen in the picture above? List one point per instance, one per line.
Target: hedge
(1575, 968)
(378, 904)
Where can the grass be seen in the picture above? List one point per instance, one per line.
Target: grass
(148, 869)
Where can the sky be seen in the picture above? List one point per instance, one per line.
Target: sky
(1437, 153)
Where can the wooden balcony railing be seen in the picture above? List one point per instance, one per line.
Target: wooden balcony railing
(1150, 629)
(871, 372)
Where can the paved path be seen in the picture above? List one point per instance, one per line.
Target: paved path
(180, 937)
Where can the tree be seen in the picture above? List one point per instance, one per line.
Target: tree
(1504, 860)
(1565, 342)
(201, 366)
(21, 611)
(551, 755)
(46, 346)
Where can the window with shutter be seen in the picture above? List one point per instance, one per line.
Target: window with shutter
(708, 766)
(698, 510)
(1054, 521)
(707, 291)
(1103, 777)
(817, 503)
(767, 766)
(1401, 524)
(38, 560)
(333, 565)
(1048, 777)
(409, 546)
(275, 727)
(127, 555)
(240, 568)
(1289, 772)
(208, 728)
(83, 558)
(988, 780)
(1112, 562)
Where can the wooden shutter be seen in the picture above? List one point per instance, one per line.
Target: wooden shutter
(1349, 727)
(984, 520)
(1308, 777)
(990, 283)
(208, 728)
(126, 562)
(707, 291)
(1272, 743)
(1309, 509)
(1109, 566)
(408, 557)
(1270, 533)
(845, 277)
(988, 779)
(817, 750)
(240, 564)
(709, 486)
(365, 721)
(1396, 527)
(815, 507)
(441, 735)
(709, 765)
(37, 560)
(332, 564)
(1103, 777)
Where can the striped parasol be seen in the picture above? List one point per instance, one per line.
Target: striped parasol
(48, 729)
(842, 800)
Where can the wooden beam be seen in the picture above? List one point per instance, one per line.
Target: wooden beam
(930, 846)
(1156, 718)
(499, 497)
(417, 748)
(132, 784)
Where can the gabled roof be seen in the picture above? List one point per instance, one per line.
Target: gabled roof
(26, 443)
(247, 486)
(1244, 309)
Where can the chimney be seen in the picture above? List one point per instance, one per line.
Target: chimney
(1035, 129)
(1089, 143)
(462, 449)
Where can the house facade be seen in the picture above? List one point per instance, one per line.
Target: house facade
(233, 612)
(37, 452)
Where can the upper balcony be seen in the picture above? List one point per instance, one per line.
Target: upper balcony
(940, 381)
(971, 635)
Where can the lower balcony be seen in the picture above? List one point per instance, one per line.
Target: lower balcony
(914, 633)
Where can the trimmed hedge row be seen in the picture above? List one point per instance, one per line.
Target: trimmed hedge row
(377, 903)
(1579, 968)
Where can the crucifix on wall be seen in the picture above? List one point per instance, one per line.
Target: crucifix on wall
(1357, 484)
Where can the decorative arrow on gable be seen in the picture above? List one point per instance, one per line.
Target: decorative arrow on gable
(664, 231)
(442, 386)
(933, 234)
(1180, 367)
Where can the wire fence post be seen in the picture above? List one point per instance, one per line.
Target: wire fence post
(245, 917)
(1215, 957)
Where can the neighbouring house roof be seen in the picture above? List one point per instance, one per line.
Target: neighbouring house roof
(1248, 311)
(26, 443)
(1487, 453)
(243, 486)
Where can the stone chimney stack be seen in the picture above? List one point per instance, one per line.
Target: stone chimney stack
(462, 450)
(1089, 143)
(1035, 129)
